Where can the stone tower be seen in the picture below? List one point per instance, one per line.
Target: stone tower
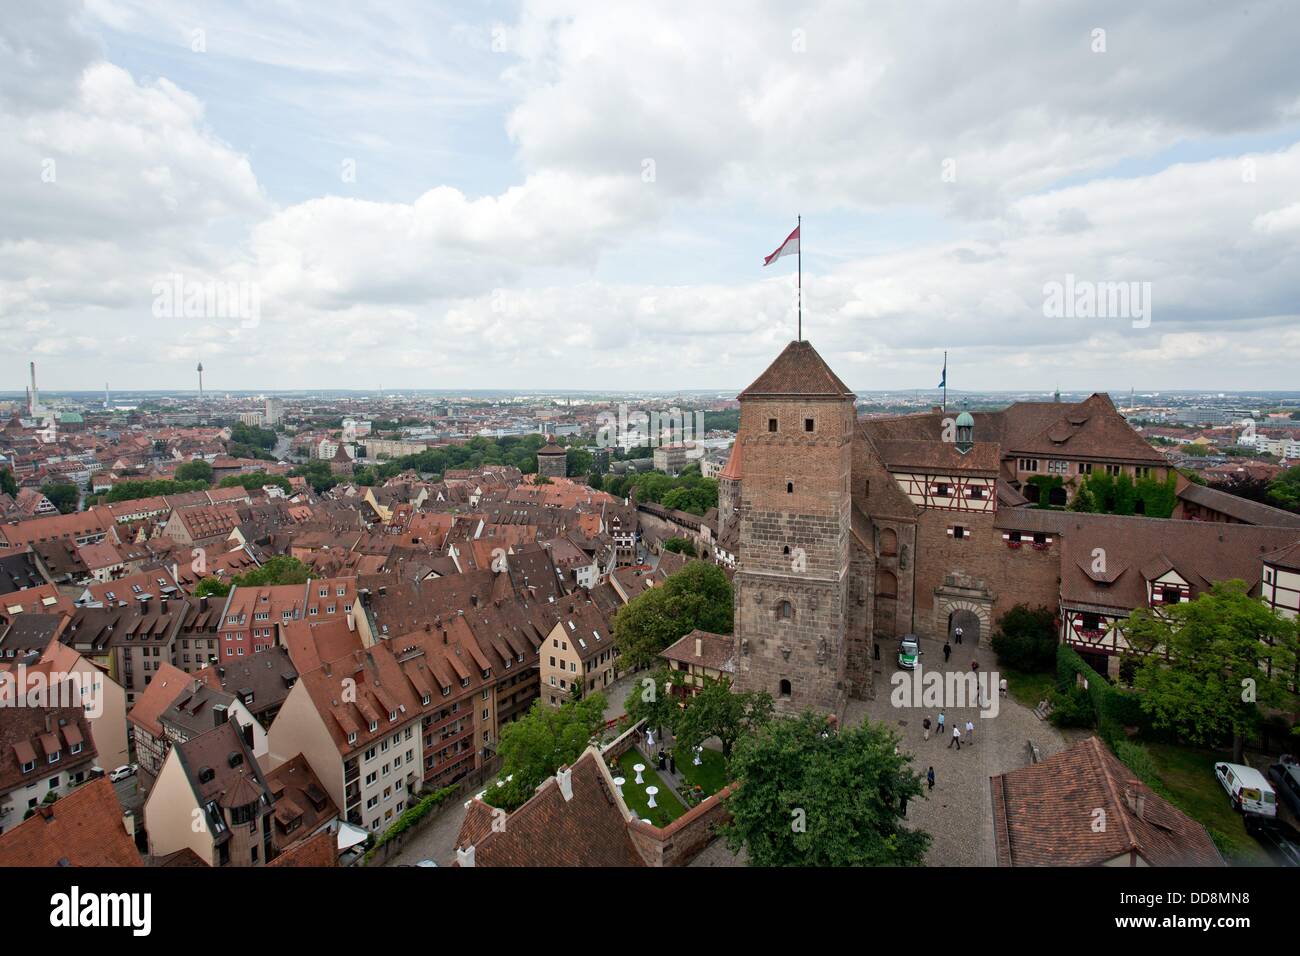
(552, 461)
(791, 584)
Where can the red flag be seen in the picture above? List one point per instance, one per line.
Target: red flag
(788, 248)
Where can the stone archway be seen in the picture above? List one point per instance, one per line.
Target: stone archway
(965, 600)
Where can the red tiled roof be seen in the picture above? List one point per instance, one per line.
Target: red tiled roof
(1045, 815)
(798, 370)
(84, 829)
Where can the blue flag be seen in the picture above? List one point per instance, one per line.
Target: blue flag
(943, 382)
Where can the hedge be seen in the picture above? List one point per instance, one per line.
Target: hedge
(410, 817)
(1115, 709)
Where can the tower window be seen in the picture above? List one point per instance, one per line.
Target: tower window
(786, 549)
(785, 611)
(789, 487)
(771, 424)
(958, 532)
(809, 425)
(785, 688)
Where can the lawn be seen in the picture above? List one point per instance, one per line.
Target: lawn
(1189, 773)
(1028, 689)
(669, 807)
(710, 776)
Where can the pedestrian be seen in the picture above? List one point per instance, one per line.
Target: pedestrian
(902, 805)
(929, 777)
(970, 731)
(941, 722)
(947, 651)
(1002, 686)
(925, 724)
(663, 759)
(974, 667)
(672, 763)
(956, 632)
(956, 738)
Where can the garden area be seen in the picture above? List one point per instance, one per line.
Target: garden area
(668, 806)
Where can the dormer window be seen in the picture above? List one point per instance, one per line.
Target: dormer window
(374, 725)
(29, 766)
(352, 737)
(54, 757)
(425, 699)
(392, 716)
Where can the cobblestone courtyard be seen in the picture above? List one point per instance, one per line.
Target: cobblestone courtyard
(958, 813)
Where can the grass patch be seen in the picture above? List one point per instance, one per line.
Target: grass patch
(669, 806)
(1028, 689)
(710, 776)
(1188, 773)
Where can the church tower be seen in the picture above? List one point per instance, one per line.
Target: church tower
(791, 583)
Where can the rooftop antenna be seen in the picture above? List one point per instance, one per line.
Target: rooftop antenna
(200, 381)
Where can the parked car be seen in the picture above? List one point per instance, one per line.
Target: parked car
(909, 652)
(124, 771)
(1286, 778)
(1247, 788)
(1278, 837)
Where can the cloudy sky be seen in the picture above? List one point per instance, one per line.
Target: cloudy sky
(570, 194)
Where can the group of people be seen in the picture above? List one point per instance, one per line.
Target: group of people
(956, 739)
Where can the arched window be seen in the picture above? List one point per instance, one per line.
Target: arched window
(786, 549)
(888, 542)
(785, 687)
(886, 584)
(789, 487)
(784, 611)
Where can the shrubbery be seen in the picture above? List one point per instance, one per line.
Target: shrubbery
(1026, 639)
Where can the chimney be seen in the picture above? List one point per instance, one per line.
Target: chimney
(565, 779)
(218, 715)
(162, 605)
(203, 603)
(699, 647)
(465, 857)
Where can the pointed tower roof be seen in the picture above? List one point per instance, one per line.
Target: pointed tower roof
(733, 469)
(798, 370)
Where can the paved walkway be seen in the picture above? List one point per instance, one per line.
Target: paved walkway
(437, 841)
(958, 813)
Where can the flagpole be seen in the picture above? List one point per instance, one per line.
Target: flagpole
(799, 226)
(945, 380)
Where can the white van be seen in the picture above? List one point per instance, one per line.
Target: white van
(1250, 792)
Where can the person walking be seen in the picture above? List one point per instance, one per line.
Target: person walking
(929, 778)
(956, 738)
(956, 633)
(940, 722)
(925, 724)
(947, 651)
(970, 731)
(902, 805)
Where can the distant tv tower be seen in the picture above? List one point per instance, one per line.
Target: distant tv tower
(200, 381)
(106, 403)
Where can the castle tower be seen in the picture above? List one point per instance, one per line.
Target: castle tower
(791, 584)
(552, 460)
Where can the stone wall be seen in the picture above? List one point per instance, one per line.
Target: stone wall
(683, 839)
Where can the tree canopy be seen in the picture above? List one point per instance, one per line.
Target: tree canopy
(812, 796)
(1284, 490)
(195, 470)
(63, 495)
(1212, 664)
(698, 596)
(546, 738)
(718, 711)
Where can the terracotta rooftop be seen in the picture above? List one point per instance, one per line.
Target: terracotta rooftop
(1045, 815)
(798, 370)
(84, 828)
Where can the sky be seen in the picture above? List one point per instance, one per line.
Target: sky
(580, 195)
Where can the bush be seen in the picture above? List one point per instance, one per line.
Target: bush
(1072, 708)
(1114, 709)
(1026, 639)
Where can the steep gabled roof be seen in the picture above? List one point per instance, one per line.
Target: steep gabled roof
(798, 371)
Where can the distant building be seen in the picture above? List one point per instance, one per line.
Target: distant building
(670, 459)
(274, 412)
(552, 461)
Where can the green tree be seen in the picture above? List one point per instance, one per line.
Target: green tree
(211, 586)
(63, 495)
(718, 711)
(281, 569)
(578, 460)
(546, 738)
(1026, 639)
(195, 470)
(680, 545)
(1284, 490)
(595, 481)
(7, 483)
(652, 700)
(812, 796)
(1211, 665)
(698, 596)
